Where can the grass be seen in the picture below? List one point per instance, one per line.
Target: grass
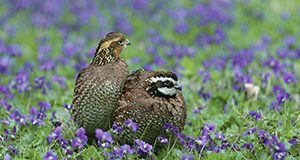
(227, 108)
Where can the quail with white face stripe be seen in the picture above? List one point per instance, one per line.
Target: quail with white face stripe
(151, 99)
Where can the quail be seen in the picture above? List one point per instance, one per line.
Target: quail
(151, 99)
(99, 85)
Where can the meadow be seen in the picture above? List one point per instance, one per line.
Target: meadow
(238, 62)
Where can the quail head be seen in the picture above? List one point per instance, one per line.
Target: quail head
(99, 85)
(151, 99)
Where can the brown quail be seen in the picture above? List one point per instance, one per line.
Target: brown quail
(99, 86)
(151, 99)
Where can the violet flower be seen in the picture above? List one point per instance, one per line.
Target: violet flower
(6, 91)
(104, 138)
(170, 127)
(60, 80)
(50, 155)
(80, 140)
(142, 147)
(121, 151)
(289, 78)
(36, 117)
(163, 140)
(18, 117)
(22, 83)
(44, 106)
(247, 145)
(130, 123)
(249, 131)
(7, 157)
(187, 157)
(220, 136)
(117, 129)
(198, 109)
(55, 135)
(255, 114)
(12, 149)
(68, 106)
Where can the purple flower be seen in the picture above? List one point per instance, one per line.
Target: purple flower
(7, 157)
(293, 141)
(123, 150)
(60, 80)
(12, 149)
(201, 142)
(40, 83)
(80, 140)
(10, 133)
(5, 90)
(242, 58)
(55, 135)
(170, 127)
(187, 157)
(289, 78)
(289, 40)
(50, 156)
(182, 138)
(136, 59)
(142, 147)
(205, 95)
(181, 27)
(198, 109)
(274, 64)
(130, 123)
(5, 104)
(265, 77)
(49, 64)
(282, 97)
(234, 146)
(240, 79)
(206, 75)
(22, 83)
(208, 127)
(68, 106)
(279, 150)
(277, 89)
(18, 117)
(14, 50)
(44, 106)
(5, 64)
(250, 131)
(225, 145)
(104, 138)
(159, 60)
(255, 114)
(219, 35)
(122, 24)
(117, 129)
(247, 145)
(220, 136)
(163, 140)
(36, 117)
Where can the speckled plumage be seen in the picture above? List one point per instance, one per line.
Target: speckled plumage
(148, 108)
(99, 86)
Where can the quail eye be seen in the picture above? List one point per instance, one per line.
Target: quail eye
(120, 43)
(167, 82)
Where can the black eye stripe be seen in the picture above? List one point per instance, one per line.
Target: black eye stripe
(161, 84)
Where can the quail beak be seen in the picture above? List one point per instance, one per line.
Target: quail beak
(127, 43)
(178, 86)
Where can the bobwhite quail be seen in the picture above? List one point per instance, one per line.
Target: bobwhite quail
(151, 99)
(99, 85)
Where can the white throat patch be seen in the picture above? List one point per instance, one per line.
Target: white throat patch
(167, 91)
